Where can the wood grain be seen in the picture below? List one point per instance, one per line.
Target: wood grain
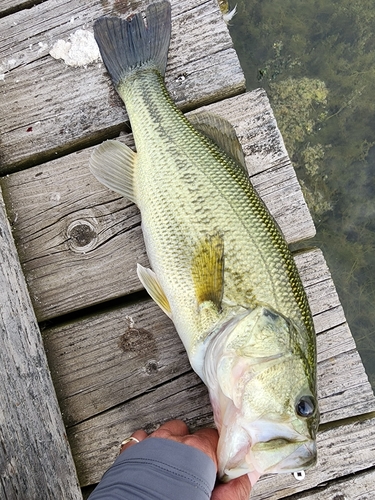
(79, 243)
(74, 235)
(108, 358)
(183, 397)
(52, 109)
(358, 486)
(35, 458)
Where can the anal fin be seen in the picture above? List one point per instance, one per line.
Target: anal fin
(150, 282)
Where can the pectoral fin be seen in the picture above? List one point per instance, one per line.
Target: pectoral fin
(150, 282)
(112, 163)
(208, 270)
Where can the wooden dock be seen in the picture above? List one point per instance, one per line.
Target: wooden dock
(86, 357)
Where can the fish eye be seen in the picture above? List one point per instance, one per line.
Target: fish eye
(305, 406)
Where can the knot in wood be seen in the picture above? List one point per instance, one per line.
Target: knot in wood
(82, 236)
(152, 367)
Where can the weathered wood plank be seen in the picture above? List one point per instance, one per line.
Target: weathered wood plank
(360, 486)
(344, 389)
(105, 359)
(68, 217)
(63, 218)
(51, 108)
(135, 359)
(35, 458)
(323, 299)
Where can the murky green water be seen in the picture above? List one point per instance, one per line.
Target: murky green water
(316, 59)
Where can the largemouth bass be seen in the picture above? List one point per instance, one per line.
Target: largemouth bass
(221, 269)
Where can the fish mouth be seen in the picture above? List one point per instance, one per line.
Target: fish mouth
(302, 458)
(294, 455)
(278, 455)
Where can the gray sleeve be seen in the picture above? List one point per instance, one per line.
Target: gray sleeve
(158, 469)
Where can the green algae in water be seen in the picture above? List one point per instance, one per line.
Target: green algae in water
(300, 106)
(316, 59)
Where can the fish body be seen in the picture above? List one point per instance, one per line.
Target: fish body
(220, 267)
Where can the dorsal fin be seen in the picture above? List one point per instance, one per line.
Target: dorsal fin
(221, 132)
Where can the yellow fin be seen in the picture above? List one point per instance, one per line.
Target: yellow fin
(150, 282)
(221, 132)
(112, 163)
(208, 270)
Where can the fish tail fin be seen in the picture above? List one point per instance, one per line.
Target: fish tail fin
(127, 45)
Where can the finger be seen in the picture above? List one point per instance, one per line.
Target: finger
(171, 430)
(140, 435)
(237, 489)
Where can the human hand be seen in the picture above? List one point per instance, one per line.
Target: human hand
(204, 440)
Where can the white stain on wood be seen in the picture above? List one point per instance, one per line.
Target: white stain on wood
(80, 49)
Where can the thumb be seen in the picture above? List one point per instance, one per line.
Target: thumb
(237, 489)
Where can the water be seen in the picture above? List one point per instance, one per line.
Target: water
(316, 60)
